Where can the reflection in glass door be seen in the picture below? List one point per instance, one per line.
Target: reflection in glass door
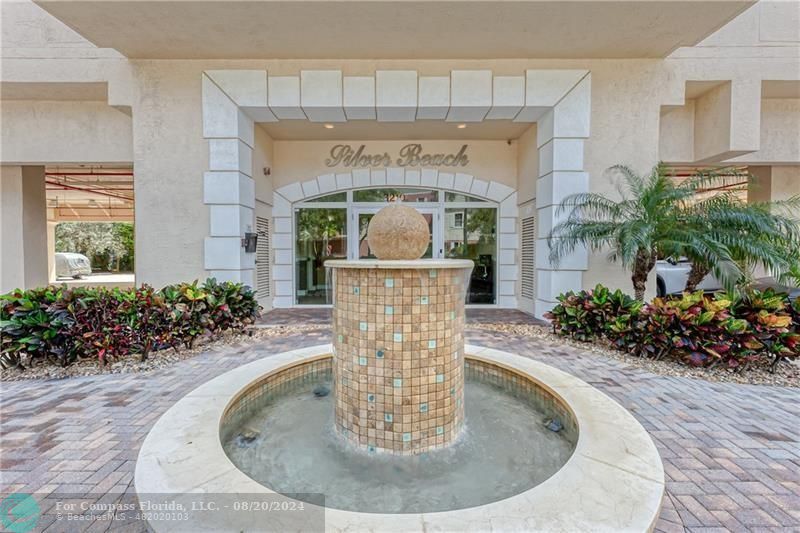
(471, 233)
(362, 216)
(321, 234)
(460, 226)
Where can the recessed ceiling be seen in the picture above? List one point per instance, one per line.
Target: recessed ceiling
(75, 191)
(780, 89)
(354, 130)
(340, 29)
(85, 92)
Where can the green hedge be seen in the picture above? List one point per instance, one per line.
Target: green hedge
(697, 329)
(62, 325)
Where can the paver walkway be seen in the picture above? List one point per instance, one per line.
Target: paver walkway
(731, 453)
(322, 315)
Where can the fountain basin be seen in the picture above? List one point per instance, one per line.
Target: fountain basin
(613, 480)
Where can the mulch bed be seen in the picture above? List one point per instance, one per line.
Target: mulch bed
(157, 360)
(786, 374)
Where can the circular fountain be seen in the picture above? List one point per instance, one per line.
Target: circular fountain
(399, 425)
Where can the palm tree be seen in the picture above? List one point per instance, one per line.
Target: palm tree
(764, 234)
(659, 218)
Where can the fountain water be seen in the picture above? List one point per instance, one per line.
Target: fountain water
(419, 432)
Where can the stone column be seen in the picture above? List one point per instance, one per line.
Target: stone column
(23, 227)
(399, 355)
(51, 251)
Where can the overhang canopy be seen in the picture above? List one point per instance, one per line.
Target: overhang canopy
(406, 29)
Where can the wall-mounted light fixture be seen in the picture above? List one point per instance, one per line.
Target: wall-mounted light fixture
(249, 242)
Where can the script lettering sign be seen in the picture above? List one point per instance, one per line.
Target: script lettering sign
(410, 155)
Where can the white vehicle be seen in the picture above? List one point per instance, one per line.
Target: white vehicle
(671, 278)
(70, 265)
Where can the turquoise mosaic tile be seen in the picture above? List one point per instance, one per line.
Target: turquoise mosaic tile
(423, 408)
(362, 361)
(371, 398)
(356, 290)
(439, 430)
(389, 283)
(424, 300)
(398, 337)
(389, 310)
(362, 326)
(439, 378)
(387, 417)
(431, 344)
(406, 437)
(398, 382)
(379, 354)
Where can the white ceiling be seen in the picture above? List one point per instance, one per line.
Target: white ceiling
(354, 130)
(405, 29)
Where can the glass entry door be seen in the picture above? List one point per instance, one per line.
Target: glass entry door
(359, 248)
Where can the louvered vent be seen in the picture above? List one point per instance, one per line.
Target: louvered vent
(262, 257)
(528, 258)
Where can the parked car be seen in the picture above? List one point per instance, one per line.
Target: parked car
(71, 265)
(671, 277)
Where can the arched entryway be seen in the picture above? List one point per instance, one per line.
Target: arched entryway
(328, 217)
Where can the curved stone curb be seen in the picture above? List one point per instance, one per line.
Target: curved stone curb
(614, 480)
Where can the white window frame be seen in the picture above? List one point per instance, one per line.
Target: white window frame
(353, 208)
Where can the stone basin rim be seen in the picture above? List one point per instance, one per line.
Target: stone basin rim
(400, 263)
(614, 480)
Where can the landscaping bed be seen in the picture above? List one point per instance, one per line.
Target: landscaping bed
(62, 327)
(730, 338)
(785, 375)
(223, 344)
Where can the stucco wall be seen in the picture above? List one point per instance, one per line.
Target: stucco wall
(785, 182)
(170, 154)
(47, 132)
(23, 228)
(263, 159)
(304, 160)
(527, 165)
(780, 133)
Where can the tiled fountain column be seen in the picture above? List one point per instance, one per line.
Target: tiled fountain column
(399, 353)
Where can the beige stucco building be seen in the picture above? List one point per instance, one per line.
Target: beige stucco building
(298, 120)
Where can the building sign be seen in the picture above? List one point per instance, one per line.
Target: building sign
(410, 155)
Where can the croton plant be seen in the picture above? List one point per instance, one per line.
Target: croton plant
(61, 325)
(694, 328)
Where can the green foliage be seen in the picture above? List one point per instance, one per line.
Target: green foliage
(659, 217)
(59, 325)
(110, 244)
(693, 328)
(318, 226)
(587, 315)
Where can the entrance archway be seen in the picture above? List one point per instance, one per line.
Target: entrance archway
(470, 218)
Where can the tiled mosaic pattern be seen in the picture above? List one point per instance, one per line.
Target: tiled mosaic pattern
(398, 357)
(522, 387)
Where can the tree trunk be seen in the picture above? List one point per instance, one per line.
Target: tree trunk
(642, 266)
(696, 275)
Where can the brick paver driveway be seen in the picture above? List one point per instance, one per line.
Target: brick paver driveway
(731, 453)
